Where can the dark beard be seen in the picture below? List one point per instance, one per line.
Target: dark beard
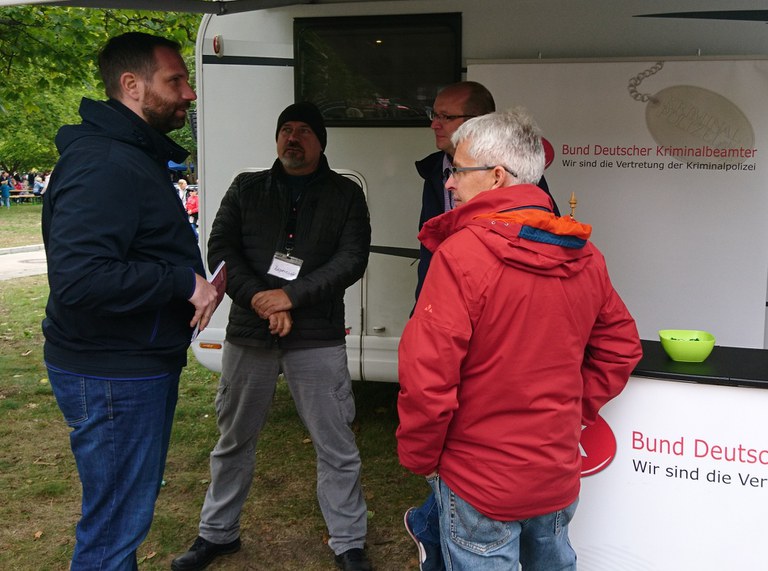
(161, 113)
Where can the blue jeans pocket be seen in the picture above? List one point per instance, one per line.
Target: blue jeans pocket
(474, 532)
(564, 517)
(69, 391)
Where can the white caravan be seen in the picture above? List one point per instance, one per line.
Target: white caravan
(249, 68)
(254, 57)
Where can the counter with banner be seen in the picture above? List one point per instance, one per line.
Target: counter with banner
(683, 468)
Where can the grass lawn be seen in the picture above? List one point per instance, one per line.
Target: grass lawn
(282, 528)
(20, 225)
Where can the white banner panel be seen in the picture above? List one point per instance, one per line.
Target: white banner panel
(686, 486)
(668, 162)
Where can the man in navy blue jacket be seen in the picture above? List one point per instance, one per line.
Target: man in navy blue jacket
(127, 287)
(452, 107)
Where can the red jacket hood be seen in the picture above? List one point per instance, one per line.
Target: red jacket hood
(517, 224)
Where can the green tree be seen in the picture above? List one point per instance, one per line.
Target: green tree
(48, 62)
(27, 136)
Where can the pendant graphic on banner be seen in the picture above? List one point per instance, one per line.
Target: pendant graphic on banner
(703, 125)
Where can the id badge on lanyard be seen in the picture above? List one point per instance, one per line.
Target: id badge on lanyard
(285, 266)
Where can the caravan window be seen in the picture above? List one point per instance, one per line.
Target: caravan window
(376, 70)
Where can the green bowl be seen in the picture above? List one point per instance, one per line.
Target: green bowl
(687, 345)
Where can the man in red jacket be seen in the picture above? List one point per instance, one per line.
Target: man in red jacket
(517, 339)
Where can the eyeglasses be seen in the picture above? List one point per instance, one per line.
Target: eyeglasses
(441, 118)
(454, 171)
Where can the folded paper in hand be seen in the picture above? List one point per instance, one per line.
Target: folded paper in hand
(219, 281)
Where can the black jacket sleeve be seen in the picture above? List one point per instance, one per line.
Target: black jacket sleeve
(226, 243)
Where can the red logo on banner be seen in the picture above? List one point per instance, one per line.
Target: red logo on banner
(549, 152)
(598, 447)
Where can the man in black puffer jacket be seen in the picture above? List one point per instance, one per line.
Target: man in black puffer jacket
(293, 239)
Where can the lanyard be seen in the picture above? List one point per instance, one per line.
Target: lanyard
(290, 225)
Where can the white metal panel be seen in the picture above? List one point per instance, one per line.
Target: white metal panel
(237, 113)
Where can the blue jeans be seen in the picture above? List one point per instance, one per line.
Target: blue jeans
(120, 434)
(472, 541)
(425, 521)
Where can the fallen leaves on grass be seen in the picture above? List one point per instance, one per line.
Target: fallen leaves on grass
(148, 556)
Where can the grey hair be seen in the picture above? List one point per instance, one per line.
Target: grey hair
(507, 138)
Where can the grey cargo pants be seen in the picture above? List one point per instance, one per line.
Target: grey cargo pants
(321, 388)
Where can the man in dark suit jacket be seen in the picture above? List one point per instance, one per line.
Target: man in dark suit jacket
(453, 106)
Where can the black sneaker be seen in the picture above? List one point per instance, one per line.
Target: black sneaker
(353, 560)
(202, 553)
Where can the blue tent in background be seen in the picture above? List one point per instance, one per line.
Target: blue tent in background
(180, 166)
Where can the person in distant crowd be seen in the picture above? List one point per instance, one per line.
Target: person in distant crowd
(46, 180)
(127, 288)
(5, 190)
(517, 339)
(193, 208)
(293, 238)
(37, 186)
(454, 105)
(182, 186)
(31, 175)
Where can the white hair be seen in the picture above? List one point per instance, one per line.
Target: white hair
(506, 138)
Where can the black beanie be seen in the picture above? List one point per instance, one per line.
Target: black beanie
(308, 113)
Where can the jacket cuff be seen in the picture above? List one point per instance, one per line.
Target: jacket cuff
(183, 282)
(291, 294)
